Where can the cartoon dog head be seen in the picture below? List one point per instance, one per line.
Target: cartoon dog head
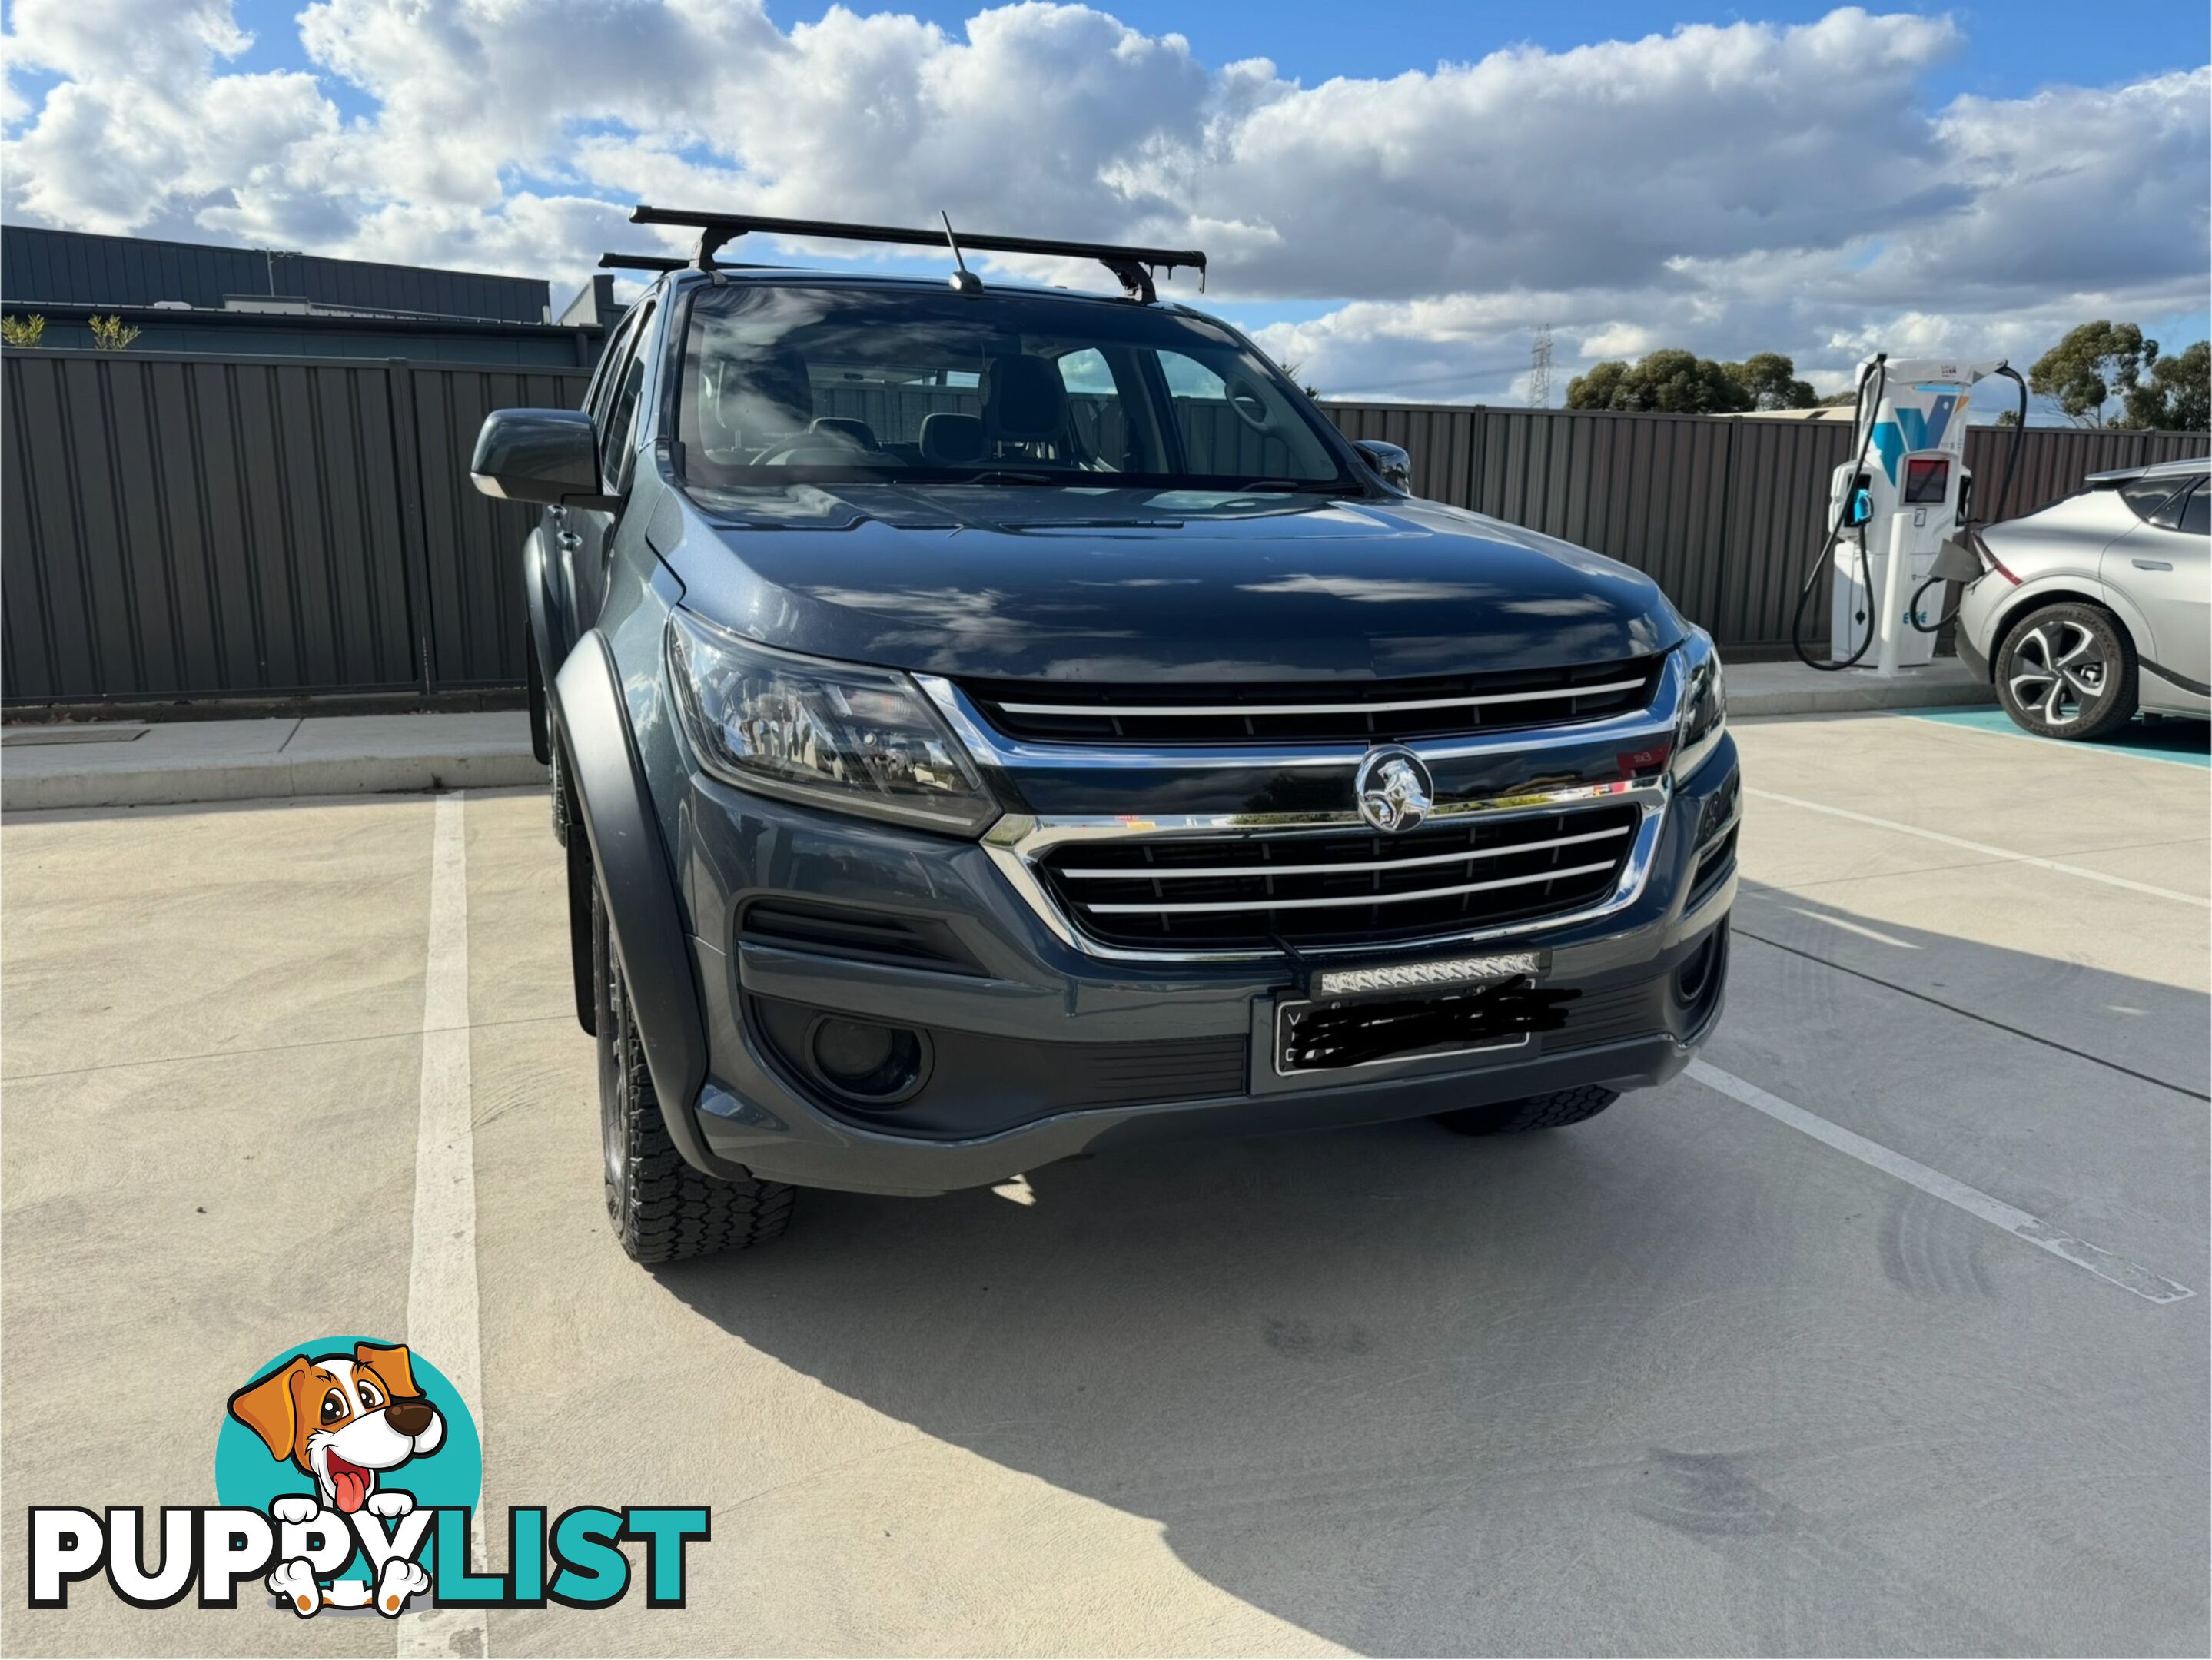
(342, 1418)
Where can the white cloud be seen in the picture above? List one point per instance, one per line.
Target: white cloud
(1727, 188)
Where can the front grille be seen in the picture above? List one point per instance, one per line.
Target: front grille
(1336, 887)
(1373, 710)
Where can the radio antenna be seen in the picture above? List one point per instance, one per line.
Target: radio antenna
(964, 280)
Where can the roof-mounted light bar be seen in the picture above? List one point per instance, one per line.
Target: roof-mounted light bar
(1131, 267)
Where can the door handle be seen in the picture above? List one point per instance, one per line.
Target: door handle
(2152, 564)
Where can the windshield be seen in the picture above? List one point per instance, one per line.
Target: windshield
(786, 383)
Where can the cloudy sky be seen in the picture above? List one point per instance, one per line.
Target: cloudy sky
(1394, 196)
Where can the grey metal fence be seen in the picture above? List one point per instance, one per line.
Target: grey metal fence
(178, 526)
(188, 527)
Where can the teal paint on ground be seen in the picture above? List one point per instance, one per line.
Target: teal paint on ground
(2188, 743)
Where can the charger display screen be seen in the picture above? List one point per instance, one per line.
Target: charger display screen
(1926, 478)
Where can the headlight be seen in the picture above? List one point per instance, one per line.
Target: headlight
(1704, 716)
(834, 734)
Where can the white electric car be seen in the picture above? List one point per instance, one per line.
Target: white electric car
(2100, 604)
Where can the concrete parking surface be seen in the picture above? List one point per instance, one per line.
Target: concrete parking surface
(1686, 1378)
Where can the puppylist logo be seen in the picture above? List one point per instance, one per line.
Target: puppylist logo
(348, 1473)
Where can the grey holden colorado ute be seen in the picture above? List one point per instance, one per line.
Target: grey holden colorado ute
(991, 722)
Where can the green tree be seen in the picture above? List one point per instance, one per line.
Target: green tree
(2091, 366)
(1770, 381)
(1682, 383)
(23, 331)
(2178, 395)
(1674, 381)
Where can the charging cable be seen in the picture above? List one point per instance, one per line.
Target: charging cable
(1878, 372)
(1966, 529)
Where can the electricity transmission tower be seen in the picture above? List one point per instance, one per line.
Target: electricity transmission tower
(1539, 369)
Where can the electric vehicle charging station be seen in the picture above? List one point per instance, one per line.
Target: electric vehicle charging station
(1893, 511)
(1904, 495)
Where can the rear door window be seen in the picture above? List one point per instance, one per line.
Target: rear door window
(2196, 511)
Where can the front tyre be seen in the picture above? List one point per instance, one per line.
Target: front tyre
(661, 1208)
(2067, 671)
(1533, 1112)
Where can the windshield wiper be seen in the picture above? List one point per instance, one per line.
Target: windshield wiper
(1011, 476)
(1279, 486)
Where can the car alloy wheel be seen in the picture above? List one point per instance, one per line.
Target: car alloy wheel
(2059, 670)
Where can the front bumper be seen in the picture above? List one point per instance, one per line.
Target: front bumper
(1041, 1049)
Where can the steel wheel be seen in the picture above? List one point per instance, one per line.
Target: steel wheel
(2067, 671)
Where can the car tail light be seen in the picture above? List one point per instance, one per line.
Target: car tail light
(1981, 545)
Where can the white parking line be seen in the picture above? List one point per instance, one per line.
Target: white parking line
(2129, 1276)
(1849, 927)
(442, 1276)
(1981, 847)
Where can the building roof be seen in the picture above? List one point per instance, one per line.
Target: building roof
(61, 268)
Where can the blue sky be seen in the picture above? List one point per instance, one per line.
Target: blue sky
(2013, 48)
(1395, 208)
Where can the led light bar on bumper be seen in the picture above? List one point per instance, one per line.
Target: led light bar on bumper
(1409, 976)
(840, 735)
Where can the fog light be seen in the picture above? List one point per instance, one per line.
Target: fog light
(869, 1062)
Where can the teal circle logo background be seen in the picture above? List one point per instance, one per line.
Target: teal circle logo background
(247, 1476)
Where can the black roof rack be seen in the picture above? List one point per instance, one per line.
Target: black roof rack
(668, 261)
(1131, 267)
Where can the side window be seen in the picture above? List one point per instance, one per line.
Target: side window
(2153, 499)
(617, 429)
(595, 395)
(1095, 413)
(1237, 426)
(2196, 512)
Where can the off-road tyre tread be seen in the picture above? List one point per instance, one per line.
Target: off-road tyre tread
(1537, 1112)
(556, 784)
(676, 1213)
(666, 1210)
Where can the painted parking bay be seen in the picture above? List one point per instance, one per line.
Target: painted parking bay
(1686, 1377)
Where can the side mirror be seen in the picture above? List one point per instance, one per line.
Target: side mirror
(1394, 464)
(539, 455)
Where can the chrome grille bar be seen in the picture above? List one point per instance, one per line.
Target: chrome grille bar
(1346, 900)
(1186, 872)
(1552, 694)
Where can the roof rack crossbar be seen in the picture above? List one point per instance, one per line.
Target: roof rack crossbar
(668, 261)
(1133, 267)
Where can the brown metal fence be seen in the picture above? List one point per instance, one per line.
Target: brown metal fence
(194, 527)
(1722, 512)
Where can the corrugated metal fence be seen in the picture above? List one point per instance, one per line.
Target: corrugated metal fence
(1722, 512)
(194, 527)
